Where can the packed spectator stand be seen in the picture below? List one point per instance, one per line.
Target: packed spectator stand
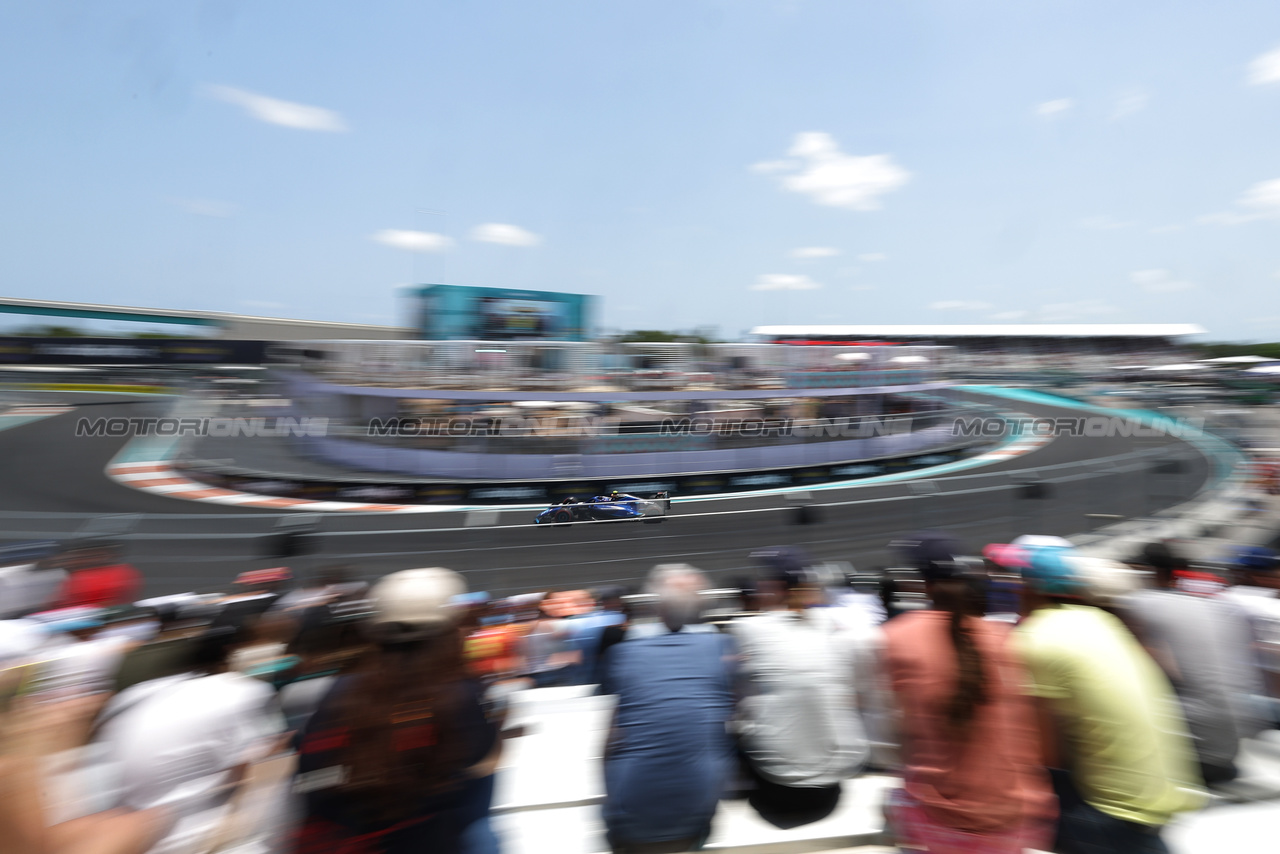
(330, 714)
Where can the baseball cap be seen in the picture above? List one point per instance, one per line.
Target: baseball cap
(271, 575)
(415, 603)
(1017, 554)
(1053, 572)
(936, 554)
(71, 619)
(1107, 581)
(1037, 541)
(100, 586)
(787, 564)
(1007, 555)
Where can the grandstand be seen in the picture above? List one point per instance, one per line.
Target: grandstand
(1010, 351)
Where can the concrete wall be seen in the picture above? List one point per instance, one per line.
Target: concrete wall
(419, 462)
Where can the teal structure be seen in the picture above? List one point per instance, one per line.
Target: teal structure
(444, 312)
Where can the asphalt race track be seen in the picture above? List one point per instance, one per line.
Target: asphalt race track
(52, 486)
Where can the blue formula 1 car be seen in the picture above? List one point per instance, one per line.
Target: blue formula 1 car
(614, 507)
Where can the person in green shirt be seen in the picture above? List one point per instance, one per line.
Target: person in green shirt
(1115, 739)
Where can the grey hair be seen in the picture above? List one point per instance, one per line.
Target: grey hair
(675, 588)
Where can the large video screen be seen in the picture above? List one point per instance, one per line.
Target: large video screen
(500, 314)
(519, 318)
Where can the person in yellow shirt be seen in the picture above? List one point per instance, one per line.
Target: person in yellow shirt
(1115, 739)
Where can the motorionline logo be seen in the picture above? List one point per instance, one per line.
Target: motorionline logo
(1094, 427)
(608, 426)
(249, 427)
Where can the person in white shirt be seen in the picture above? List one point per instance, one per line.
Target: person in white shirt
(798, 716)
(185, 743)
(1257, 593)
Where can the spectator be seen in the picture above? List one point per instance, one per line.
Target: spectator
(27, 586)
(668, 753)
(612, 635)
(1204, 646)
(972, 779)
(77, 658)
(264, 582)
(493, 646)
(327, 642)
(861, 609)
(798, 717)
(1257, 593)
(167, 654)
(586, 631)
(255, 593)
(186, 743)
(1102, 697)
(99, 577)
(328, 585)
(267, 639)
(887, 590)
(389, 760)
(32, 733)
(545, 649)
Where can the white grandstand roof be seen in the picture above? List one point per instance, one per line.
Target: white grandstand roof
(994, 330)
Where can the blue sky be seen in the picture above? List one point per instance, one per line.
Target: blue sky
(940, 162)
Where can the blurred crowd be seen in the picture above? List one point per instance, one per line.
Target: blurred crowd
(1027, 696)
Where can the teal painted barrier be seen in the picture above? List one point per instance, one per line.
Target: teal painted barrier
(1224, 456)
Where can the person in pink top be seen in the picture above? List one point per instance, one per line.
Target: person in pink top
(972, 778)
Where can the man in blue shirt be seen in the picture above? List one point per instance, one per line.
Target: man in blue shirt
(669, 754)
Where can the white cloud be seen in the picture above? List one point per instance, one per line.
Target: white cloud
(1261, 201)
(1265, 69)
(1264, 198)
(784, 282)
(960, 305)
(414, 241)
(1104, 223)
(283, 113)
(206, 207)
(1009, 315)
(872, 257)
(828, 176)
(504, 234)
(1049, 109)
(1129, 103)
(814, 252)
(1159, 282)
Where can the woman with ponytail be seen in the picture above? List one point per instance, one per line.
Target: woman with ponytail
(392, 760)
(972, 779)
